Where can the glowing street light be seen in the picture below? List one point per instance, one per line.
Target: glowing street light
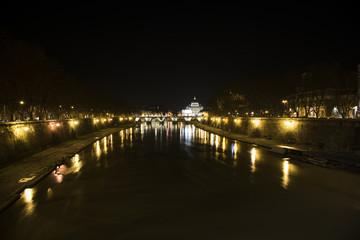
(22, 102)
(284, 102)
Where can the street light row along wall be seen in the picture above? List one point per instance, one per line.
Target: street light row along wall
(315, 134)
(21, 139)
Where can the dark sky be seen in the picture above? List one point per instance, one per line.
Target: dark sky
(169, 53)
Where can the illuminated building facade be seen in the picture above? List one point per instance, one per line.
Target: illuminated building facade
(193, 110)
(309, 101)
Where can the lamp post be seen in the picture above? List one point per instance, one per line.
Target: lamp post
(21, 102)
(284, 102)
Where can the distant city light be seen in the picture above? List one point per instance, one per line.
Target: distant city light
(256, 122)
(289, 125)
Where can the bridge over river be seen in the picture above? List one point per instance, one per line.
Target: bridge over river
(163, 118)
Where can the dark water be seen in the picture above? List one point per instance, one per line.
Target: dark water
(179, 182)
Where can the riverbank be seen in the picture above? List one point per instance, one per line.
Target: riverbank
(297, 151)
(27, 172)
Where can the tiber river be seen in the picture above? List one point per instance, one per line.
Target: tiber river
(175, 181)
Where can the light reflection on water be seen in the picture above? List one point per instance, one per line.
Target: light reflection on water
(49, 193)
(288, 169)
(224, 144)
(105, 144)
(111, 142)
(235, 161)
(253, 159)
(27, 197)
(223, 150)
(76, 164)
(234, 150)
(286, 174)
(189, 135)
(217, 140)
(98, 151)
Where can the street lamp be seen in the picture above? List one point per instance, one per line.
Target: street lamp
(284, 102)
(21, 102)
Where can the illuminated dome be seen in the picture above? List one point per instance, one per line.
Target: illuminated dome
(193, 109)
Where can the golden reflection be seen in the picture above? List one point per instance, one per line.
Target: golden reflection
(285, 179)
(122, 135)
(58, 177)
(217, 141)
(223, 144)
(181, 134)
(211, 139)
(49, 193)
(253, 159)
(205, 137)
(234, 149)
(141, 131)
(59, 173)
(287, 169)
(111, 142)
(98, 150)
(27, 197)
(105, 144)
(76, 159)
(76, 164)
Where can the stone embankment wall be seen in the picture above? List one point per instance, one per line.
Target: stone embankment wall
(323, 134)
(21, 139)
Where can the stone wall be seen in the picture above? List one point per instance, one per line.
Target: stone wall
(326, 134)
(21, 139)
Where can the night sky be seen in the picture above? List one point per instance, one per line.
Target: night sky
(167, 54)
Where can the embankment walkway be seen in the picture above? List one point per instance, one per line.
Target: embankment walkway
(300, 152)
(26, 173)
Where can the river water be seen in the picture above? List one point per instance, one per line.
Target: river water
(175, 181)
